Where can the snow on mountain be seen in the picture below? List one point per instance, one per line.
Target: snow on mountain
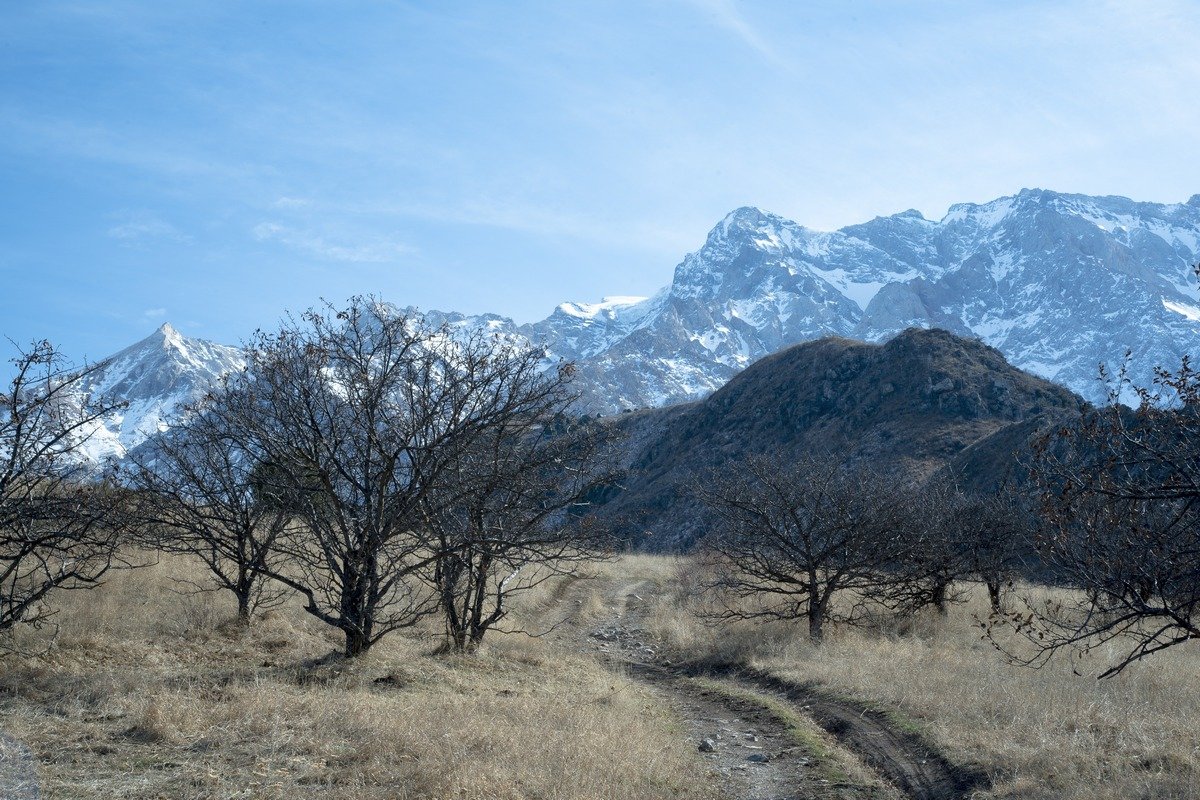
(1057, 282)
(156, 378)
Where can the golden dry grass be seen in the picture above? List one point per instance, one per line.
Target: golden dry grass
(148, 693)
(1044, 733)
(152, 694)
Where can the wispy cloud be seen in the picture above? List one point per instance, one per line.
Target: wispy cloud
(139, 227)
(154, 313)
(292, 202)
(525, 216)
(726, 15)
(372, 252)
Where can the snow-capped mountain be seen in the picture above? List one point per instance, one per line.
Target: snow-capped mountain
(1057, 282)
(156, 378)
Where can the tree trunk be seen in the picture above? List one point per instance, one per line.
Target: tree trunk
(939, 598)
(243, 611)
(245, 593)
(356, 643)
(993, 587)
(816, 619)
(816, 608)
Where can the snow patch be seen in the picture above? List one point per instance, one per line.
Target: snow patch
(1191, 312)
(606, 306)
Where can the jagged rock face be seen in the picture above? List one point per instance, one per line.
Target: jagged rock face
(1059, 283)
(157, 378)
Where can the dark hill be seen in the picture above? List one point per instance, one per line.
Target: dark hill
(908, 406)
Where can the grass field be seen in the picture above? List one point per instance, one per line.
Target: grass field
(152, 693)
(149, 693)
(1046, 733)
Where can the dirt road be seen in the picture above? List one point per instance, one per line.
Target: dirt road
(750, 726)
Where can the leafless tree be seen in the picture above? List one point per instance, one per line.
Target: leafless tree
(59, 526)
(1120, 496)
(507, 514)
(789, 538)
(201, 494)
(997, 538)
(954, 536)
(935, 555)
(355, 417)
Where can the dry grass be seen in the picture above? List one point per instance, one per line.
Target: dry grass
(1044, 733)
(151, 694)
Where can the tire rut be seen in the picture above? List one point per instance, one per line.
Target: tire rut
(902, 759)
(905, 759)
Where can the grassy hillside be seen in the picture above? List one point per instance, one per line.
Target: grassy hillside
(908, 406)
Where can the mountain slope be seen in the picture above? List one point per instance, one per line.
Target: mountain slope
(908, 406)
(156, 377)
(1058, 282)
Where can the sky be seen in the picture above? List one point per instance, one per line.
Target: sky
(215, 163)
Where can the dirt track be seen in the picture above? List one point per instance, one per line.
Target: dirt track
(906, 766)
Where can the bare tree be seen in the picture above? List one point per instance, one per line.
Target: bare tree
(507, 515)
(789, 538)
(58, 521)
(202, 495)
(1120, 492)
(953, 536)
(935, 554)
(355, 417)
(996, 532)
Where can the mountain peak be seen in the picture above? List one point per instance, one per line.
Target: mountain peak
(168, 338)
(608, 305)
(745, 213)
(747, 218)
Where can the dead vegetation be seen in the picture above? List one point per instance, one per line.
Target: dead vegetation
(151, 693)
(1044, 733)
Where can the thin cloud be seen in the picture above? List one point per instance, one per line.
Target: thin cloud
(513, 214)
(726, 16)
(154, 313)
(376, 252)
(138, 228)
(292, 202)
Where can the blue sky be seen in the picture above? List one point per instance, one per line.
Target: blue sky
(215, 163)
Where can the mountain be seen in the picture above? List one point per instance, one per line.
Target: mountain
(1057, 282)
(909, 406)
(156, 377)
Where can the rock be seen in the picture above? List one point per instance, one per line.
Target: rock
(758, 758)
(707, 746)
